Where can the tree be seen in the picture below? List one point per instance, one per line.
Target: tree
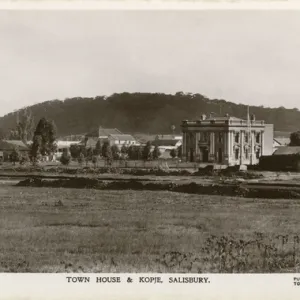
(24, 158)
(156, 152)
(174, 153)
(81, 158)
(75, 150)
(179, 151)
(115, 152)
(14, 156)
(106, 152)
(65, 157)
(147, 151)
(24, 128)
(97, 150)
(295, 138)
(43, 138)
(95, 160)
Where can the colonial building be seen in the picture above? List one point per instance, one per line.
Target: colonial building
(226, 140)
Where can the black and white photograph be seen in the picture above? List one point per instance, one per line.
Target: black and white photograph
(150, 141)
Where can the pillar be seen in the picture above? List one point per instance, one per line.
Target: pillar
(241, 147)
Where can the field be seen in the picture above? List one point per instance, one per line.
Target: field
(86, 230)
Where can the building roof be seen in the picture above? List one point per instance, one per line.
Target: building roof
(170, 142)
(287, 150)
(282, 141)
(104, 132)
(122, 137)
(91, 142)
(168, 137)
(11, 144)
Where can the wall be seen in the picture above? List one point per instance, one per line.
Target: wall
(268, 139)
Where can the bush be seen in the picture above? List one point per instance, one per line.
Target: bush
(65, 158)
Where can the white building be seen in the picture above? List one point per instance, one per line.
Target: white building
(122, 139)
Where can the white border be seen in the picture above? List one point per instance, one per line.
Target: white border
(151, 5)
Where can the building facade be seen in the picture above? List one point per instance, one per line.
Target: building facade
(226, 140)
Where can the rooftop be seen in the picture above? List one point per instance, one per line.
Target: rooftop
(103, 132)
(122, 137)
(170, 142)
(287, 150)
(11, 144)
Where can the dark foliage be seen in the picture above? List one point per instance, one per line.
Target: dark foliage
(145, 112)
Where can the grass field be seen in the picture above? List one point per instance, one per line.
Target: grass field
(73, 230)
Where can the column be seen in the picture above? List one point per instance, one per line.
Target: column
(197, 150)
(262, 143)
(242, 147)
(184, 145)
(212, 146)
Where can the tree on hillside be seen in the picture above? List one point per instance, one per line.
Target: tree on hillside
(156, 153)
(43, 139)
(24, 128)
(147, 151)
(295, 138)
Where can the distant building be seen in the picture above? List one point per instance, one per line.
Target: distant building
(62, 146)
(103, 133)
(168, 137)
(7, 146)
(280, 142)
(167, 145)
(122, 139)
(226, 140)
(287, 150)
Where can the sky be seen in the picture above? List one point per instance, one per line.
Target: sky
(249, 57)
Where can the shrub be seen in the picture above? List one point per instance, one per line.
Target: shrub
(65, 158)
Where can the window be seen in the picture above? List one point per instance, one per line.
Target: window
(257, 154)
(258, 138)
(220, 136)
(237, 153)
(246, 137)
(246, 153)
(237, 137)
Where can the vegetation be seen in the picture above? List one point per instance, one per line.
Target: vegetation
(146, 154)
(295, 139)
(145, 112)
(174, 153)
(67, 230)
(43, 139)
(156, 153)
(24, 128)
(15, 156)
(65, 157)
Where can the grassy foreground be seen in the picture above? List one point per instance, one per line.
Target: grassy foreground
(85, 230)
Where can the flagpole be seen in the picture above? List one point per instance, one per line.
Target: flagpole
(250, 136)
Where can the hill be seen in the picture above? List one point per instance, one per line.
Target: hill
(145, 113)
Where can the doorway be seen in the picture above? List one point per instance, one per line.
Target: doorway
(204, 152)
(220, 156)
(191, 155)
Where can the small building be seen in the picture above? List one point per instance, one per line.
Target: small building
(7, 147)
(168, 137)
(166, 145)
(279, 142)
(287, 150)
(122, 139)
(226, 140)
(62, 146)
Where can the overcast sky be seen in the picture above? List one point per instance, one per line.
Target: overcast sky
(250, 57)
